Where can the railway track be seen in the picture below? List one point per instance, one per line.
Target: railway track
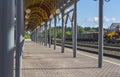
(96, 43)
(109, 50)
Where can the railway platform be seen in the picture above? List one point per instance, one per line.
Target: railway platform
(42, 61)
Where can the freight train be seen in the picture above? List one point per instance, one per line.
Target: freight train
(111, 36)
(89, 36)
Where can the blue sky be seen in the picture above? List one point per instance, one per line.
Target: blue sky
(87, 13)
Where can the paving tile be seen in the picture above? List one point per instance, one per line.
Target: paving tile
(42, 61)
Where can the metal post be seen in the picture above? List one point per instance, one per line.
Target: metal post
(100, 57)
(36, 33)
(7, 14)
(1, 38)
(45, 34)
(39, 34)
(72, 30)
(75, 30)
(63, 33)
(34, 36)
(42, 34)
(55, 32)
(19, 37)
(38, 39)
(50, 34)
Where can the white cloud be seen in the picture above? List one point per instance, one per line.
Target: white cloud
(106, 19)
(113, 19)
(96, 19)
(93, 20)
(109, 19)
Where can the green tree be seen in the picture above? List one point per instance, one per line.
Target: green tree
(27, 36)
(68, 33)
(80, 30)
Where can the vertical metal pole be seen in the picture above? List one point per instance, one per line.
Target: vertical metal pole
(72, 30)
(38, 39)
(50, 34)
(1, 57)
(19, 37)
(45, 34)
(1, 50)
(63, 33)
(31, 36)
(7, 14)
(39, 34)
(42, 34)
(36, 35)
(75, 30)
(100, 57)
(55, 32)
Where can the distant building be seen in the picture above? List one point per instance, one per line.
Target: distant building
(114, 26)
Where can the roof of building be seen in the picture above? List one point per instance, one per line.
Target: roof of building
(39, 11)
(115, 24)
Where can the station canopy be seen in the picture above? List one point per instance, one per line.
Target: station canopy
(37, 12)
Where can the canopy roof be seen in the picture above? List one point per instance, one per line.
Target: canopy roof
(39, 11)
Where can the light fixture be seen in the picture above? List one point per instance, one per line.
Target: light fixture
(48, 23)
(26, 23)
(26, 16)
(42, 23)
(51, 16)
(58, 11)
(67, 10)
(28, 11)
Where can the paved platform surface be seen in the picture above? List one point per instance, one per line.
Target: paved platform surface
(42, 61)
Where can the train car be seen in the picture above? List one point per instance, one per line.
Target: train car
(89, 36)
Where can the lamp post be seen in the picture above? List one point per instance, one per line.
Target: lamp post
(100, 57)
